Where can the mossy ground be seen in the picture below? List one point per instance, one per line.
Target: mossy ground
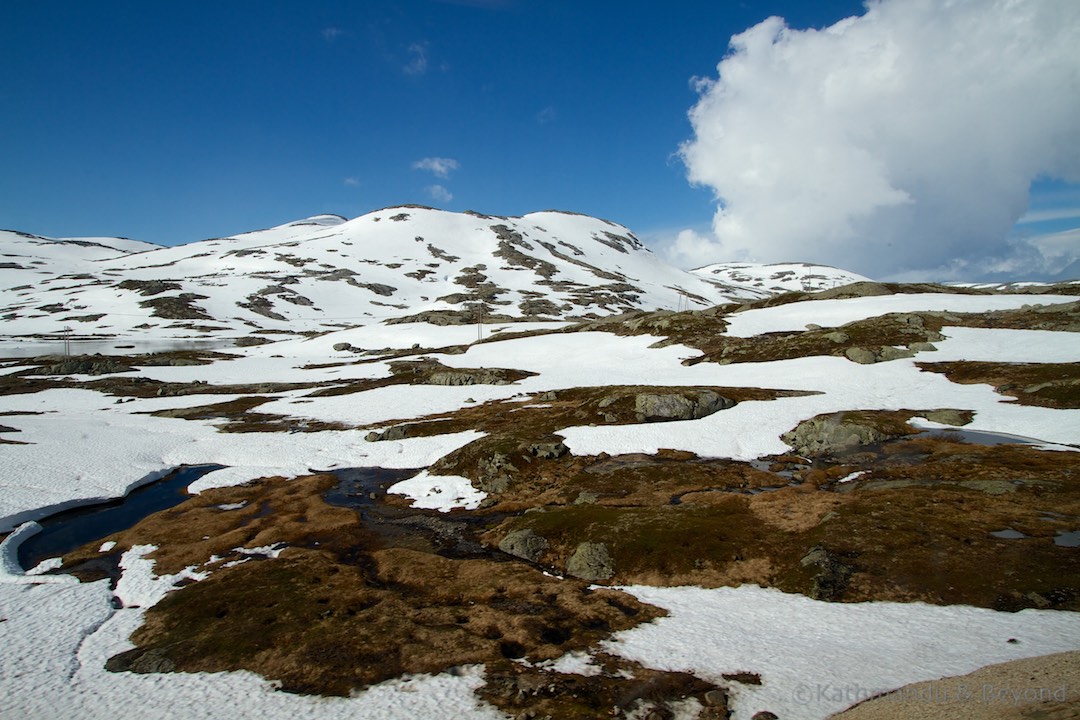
(1055, 385)
(344, 606)
(348, 604)
(915, 524)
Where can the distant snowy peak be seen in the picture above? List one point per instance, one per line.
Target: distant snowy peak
(325, 272)
(763, 280)
(115, 245)
(294, 229)
(14, 244)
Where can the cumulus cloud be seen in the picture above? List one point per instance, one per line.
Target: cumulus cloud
(902, 142)
(439, 194)
(418, 59)
(439, 166)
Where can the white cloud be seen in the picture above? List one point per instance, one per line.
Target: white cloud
(418, 59)
(439, 194)
(439, 166)
(547, 115)
(351, 182)
(330, 34)
(1038, 216)
(685, 248)
(897, 143)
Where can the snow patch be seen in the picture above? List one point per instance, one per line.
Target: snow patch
(139, 587)
(869, 646)
(439, 492)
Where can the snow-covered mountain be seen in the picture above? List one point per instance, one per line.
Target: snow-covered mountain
(326, 272)
(752, 473)
(762, 280)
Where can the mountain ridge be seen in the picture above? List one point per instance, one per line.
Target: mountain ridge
(325, 272)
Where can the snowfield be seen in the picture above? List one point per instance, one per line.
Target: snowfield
(78, 446)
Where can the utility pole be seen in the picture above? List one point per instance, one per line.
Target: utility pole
(479, 322)
(67, 339)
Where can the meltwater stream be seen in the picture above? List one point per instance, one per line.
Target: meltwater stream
(65, 531)
(361, 489)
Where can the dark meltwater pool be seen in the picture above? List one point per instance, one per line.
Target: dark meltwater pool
(451, 534)
(63, 532)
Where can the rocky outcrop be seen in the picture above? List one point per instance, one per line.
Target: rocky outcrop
(495, 473)
(469, 377)
(885, 353)
(141, 660)
(86, 365)
(693, 405)
(842, 432)
(854, 290)
(428, 371)
(590, 561)
(548, 450)
(178, 307)
(947, 416)
(396, 432)
(149, 287)
(831, 577)
(524, 544)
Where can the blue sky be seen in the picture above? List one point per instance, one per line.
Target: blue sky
(173, 122)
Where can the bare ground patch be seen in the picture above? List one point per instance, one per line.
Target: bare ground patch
(1055, 385)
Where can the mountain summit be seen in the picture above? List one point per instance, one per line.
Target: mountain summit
(326, 272)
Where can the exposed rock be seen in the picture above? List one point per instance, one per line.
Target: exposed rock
(149, 287)
(652, 407)
(140, 660)
(440, 317)
(179, 307)
(860, 355)
(428, 371)
(840, 432)
(922, 347)
(260, 305)
(377, 288)
(540, 306)
(86, 365)
(590, 561)
(397, 432)
(859, 289)
(494, 473)
(184, 362)
(524, 544)
(888, 353)
(949, 417)
(831, 580)
(837, 337)
(342, 347)
(764, 715)
(468, 377)
(251, 341)
(548, 450)
(716, 698)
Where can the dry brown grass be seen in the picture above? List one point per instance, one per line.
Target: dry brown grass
(1055, 385)
(345, 606)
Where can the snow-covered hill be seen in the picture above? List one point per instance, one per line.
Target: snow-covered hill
(326, 272)
(761, 280)
(759, 472)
